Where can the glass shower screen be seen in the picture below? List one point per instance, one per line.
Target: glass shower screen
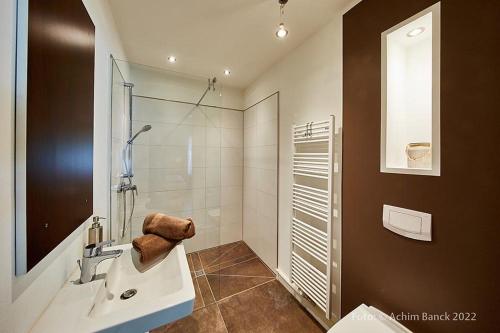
(177, 163)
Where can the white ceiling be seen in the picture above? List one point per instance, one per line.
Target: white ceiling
(208, 36)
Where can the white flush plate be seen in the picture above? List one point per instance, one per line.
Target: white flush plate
(408, 223)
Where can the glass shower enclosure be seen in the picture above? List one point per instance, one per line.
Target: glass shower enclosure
(166, 152)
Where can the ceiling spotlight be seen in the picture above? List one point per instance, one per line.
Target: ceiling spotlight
(172, 59)
(415, 32)
(227, 72)
(281, 32)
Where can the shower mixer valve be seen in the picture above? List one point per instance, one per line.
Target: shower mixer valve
(127, 187)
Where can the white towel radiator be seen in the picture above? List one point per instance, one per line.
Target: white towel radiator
(312, 215)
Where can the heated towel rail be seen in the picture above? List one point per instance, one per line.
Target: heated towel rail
(312, 215)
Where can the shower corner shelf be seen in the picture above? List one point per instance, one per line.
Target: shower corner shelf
(312, 213)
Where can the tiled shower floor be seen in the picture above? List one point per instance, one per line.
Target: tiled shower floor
(236, 292)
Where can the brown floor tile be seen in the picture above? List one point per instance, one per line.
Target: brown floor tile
(206, 320)
(267, 308)
(210, 256)
(226, 255)
(230, 262)
(224, 286)
(205, 290)
(251, 267)
(247, 294)
(240, 250)
(237, 278)
(196, 262)
(198, 298)
(190, 262)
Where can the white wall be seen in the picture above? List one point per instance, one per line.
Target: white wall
(409, 96)
(23, 299)
(309, 80)
(260, 185)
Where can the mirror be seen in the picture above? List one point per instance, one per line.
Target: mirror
(410, 95)
(54, 126)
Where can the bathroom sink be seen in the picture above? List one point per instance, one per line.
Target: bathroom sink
(124, 297)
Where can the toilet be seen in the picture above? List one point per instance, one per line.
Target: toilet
(368, 319)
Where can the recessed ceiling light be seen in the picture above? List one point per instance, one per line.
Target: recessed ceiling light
(227, 72)
(172, 59)
(281, 32)
(415, 32)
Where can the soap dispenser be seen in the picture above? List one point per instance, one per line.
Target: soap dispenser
(95, 231)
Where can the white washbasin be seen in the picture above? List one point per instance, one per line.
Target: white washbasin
(165, 293)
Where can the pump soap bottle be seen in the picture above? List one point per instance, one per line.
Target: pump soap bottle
(95, 231)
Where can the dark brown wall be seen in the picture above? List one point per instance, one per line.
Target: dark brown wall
(459, 269)
(60, 116)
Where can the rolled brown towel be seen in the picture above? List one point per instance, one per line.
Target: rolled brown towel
(151, 247)
(168, 226)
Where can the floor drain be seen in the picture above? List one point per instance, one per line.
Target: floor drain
(199, 273)
(128, 294)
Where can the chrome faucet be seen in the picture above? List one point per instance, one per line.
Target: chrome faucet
(92, 256)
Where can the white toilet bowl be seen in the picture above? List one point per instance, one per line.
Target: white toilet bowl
(368, 319)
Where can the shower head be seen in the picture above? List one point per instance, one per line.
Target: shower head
(144, 129)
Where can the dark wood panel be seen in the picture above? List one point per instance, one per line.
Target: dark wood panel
(60, 117)
(458, 270)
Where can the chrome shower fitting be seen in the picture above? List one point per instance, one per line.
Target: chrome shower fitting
(127, 152)
(142, 130)
(211, 86)
(212, 82)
